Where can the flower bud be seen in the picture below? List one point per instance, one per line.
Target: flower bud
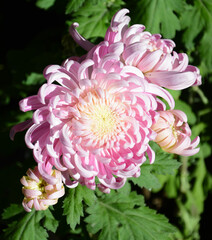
(38, 193)
(173, 133)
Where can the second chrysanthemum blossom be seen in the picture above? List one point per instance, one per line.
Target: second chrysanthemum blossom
(149, 53)
(173, 133)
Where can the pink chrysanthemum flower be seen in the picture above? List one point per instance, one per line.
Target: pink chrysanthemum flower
(151, 54)
(94, 122)
(173, 133)
(38, 193)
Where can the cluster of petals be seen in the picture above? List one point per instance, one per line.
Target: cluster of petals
(93, 119)
(151, 54)
(38, 193)
(173, 133)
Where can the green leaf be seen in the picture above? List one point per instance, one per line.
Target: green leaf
(95, 19)
(125, 221)
(164, 164)
(73, 204)
(180, 105)
(147, 178)
(190, 219)
(34, 78)
(45, 4)
(205, 151)
(123, 201)
(73, 6)
(199, 16)
(172, 186)
(28, 225)
(191, 15)
(159, 16)
(126, 189)
(198, 195)
(175, 93)
(144, 223)
(50, 223)
(197, 129)
(11, 211)
(205, 48)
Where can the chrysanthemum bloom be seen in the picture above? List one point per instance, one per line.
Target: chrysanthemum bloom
(95, 122)
(153, 56)
(38, 193)
(173, 133)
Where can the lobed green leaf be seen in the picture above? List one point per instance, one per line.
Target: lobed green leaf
(28, 225)
(73, 204)
(50, 223)
(159, 16)
(11, 211)
(129, 221)
(197, 22)
(94, 19)
(164, 164)
(73, 5)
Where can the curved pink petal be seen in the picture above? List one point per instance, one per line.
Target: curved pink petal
(20, 127)
(118, 183)
(79, 39)
(172, 80)
(118, 26)
(148, 62)
(154, 89)
(30, 103)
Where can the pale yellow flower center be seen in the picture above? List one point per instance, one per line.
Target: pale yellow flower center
(103, 120)
(33, 185)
